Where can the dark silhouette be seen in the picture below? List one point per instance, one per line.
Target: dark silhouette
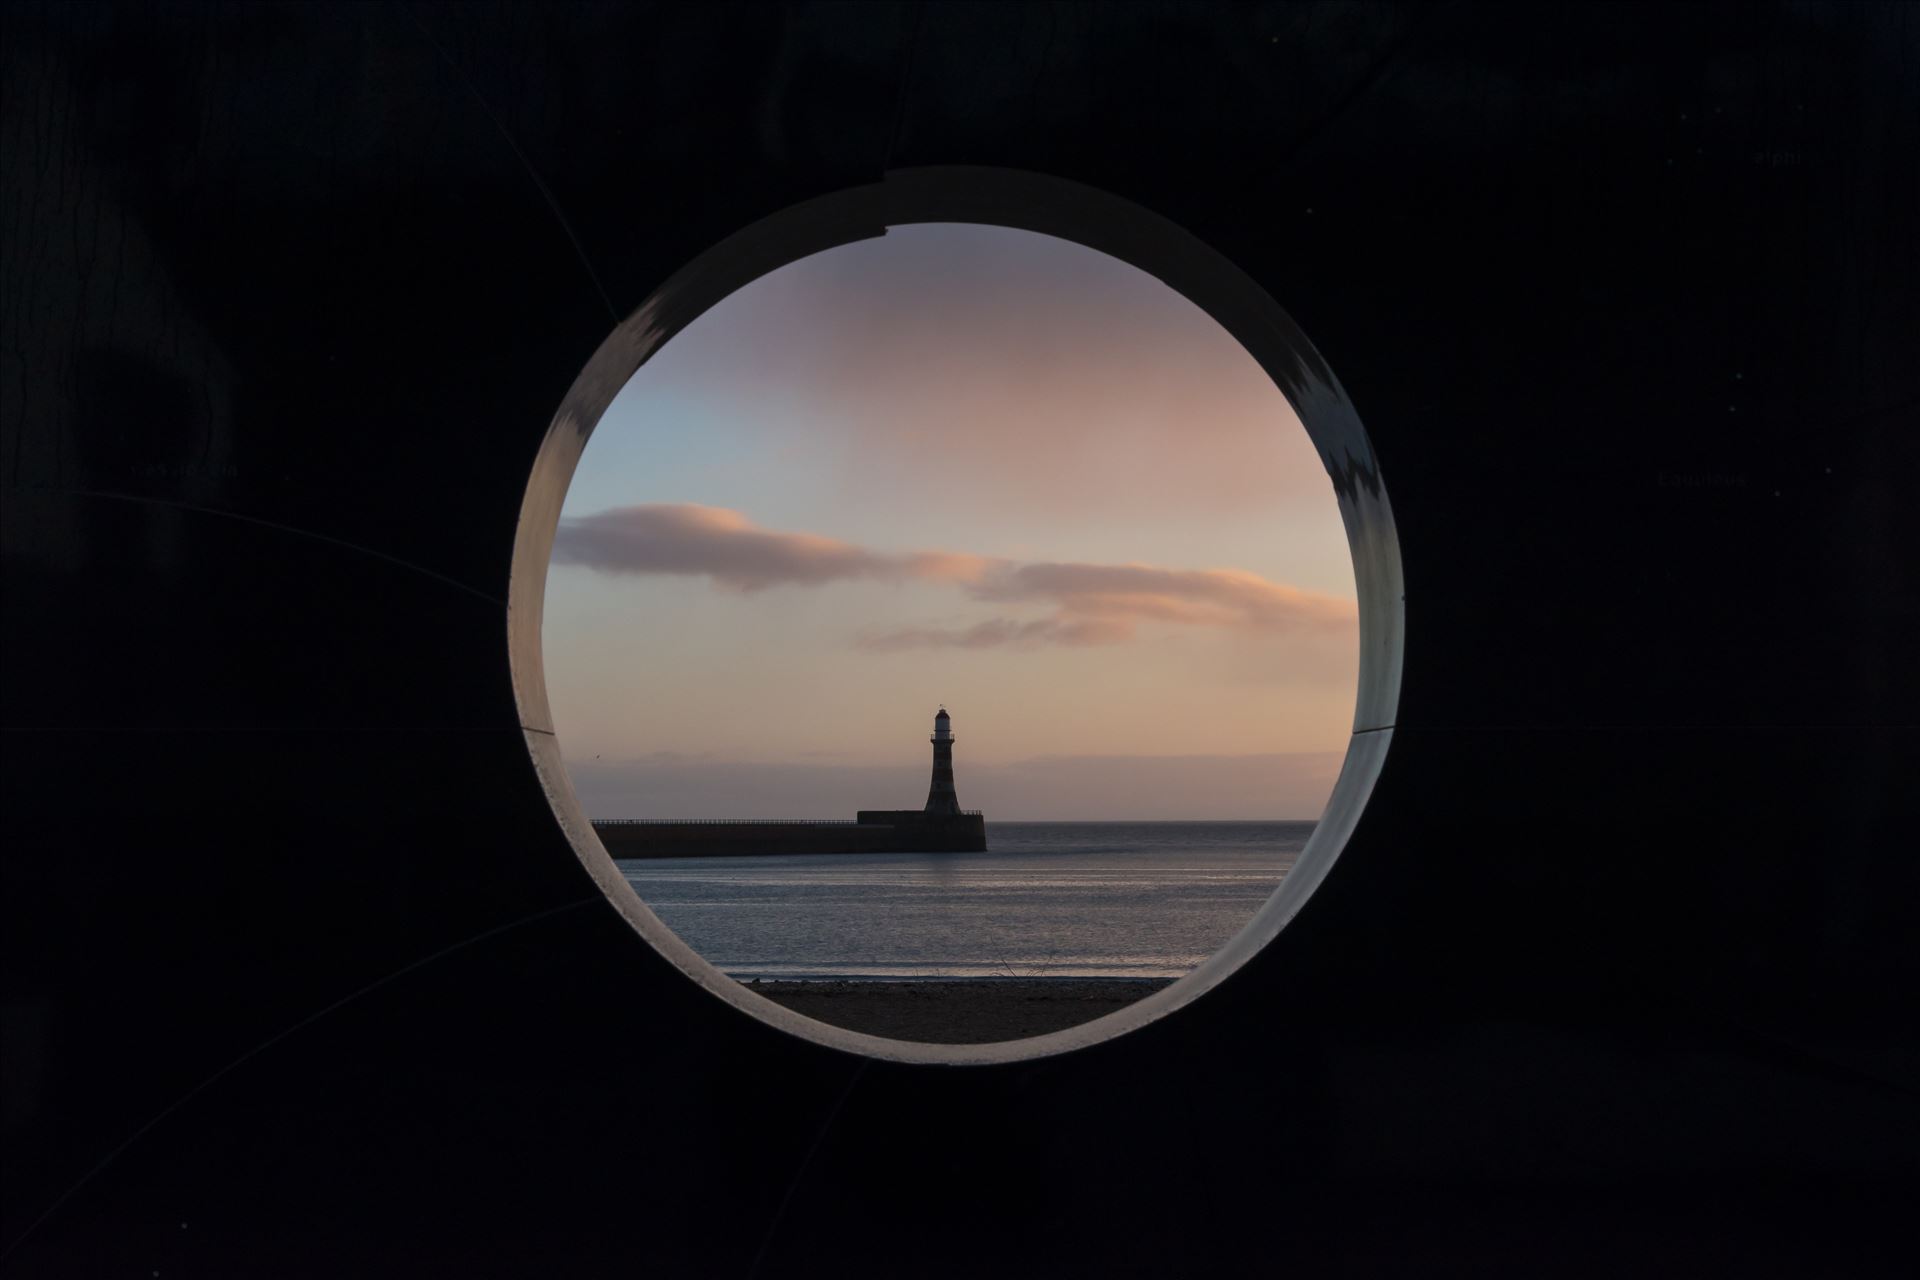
(942, 800)
(942, 827)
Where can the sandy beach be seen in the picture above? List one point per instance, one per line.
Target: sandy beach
(959, 1011)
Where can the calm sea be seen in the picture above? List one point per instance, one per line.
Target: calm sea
(1052, 899)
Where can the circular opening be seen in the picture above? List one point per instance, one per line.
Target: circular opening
(1025, 202)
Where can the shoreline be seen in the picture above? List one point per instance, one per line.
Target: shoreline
(955, 1010)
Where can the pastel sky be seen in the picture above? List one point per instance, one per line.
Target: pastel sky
(965, 465)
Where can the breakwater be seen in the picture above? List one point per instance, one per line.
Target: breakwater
(872, 831)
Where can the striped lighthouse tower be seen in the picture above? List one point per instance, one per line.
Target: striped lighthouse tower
(941, 800)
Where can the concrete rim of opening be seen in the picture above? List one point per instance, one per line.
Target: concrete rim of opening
(1070, 211)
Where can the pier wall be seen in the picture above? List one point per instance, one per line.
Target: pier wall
(877, 831)
(962, 833)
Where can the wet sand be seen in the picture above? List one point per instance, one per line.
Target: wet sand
(959, 1011)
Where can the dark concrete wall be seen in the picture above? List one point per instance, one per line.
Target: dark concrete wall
(1614, 978)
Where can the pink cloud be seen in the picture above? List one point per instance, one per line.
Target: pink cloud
(997, 633)
(693, 540)
(1197, 597)
(1092, 604)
